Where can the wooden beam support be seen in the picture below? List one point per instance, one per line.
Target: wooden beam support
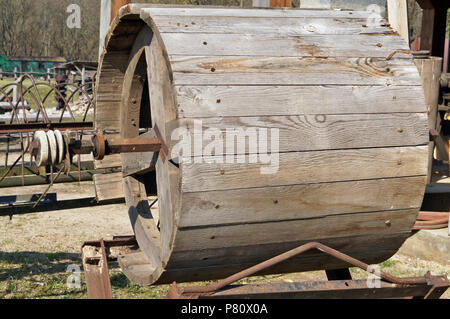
(116, 5)
(272, 3)
(398, 17)
(430, 72)
(434, 23)
(280, 3)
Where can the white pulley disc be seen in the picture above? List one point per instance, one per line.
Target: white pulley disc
(53, 147)
(61, 146)
(67, 160)
(42, 155)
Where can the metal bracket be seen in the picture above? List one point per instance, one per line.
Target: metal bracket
(164, 151)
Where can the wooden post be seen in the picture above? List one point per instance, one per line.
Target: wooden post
(48, 75)
(108, 11)
(105, 16)
(15, 73)
(1, 74)
(430, 71)
(83, 75)
(398, 17)
(14, 94)
(272, 3)
(280, 3)
(115, 7)
(426, 38)
(446, 55)
(434, 24)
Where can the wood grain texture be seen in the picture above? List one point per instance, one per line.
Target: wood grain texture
(359, 244)
(317, 132)
(300, 201)
(306, 167)
(374, 256)
(167, 175)
(352, 46)
(398, 17)
(112, 161)
(268, 25)
(244, 70)
(240, 12)
(220, 263)
(108, 186)
(214, 101)
(351, 165)
(293, 230)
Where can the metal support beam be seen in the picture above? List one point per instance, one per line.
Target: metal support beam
(36, 126)
(427, 286)
(96, 255)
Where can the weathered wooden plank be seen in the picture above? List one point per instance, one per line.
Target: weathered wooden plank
(243, 12)
(268, 25)
(398, 17)
(292, 71)
(241, 135)
(297, 61)
(133, 99)
(142, 272)
(269, 45)
(300, 201)
(223, 262)
(73, 176)
(162, 111)
(108, 186)
(213, 101)
(430, 70)
(361, 245)
(303, 167)
(111, 161)
(295, 230)
(109, 89)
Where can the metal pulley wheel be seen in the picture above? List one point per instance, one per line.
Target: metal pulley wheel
(60, 145)
(98, 142)
(50, 147)
(43, 150)
(53, 158)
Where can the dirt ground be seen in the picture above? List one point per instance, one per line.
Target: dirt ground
(36, 249)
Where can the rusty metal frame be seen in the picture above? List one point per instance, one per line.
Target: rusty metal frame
(390, 286)
(37, 126)
(426, 287)
(96, 266)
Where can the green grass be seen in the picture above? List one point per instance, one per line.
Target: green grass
(43, 275)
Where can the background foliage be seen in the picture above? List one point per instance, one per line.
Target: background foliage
(38, 27)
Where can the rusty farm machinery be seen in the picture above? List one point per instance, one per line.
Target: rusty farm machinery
(344, 102)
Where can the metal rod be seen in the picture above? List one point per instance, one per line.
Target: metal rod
(35, 126)
(48, 188)
(291, 253)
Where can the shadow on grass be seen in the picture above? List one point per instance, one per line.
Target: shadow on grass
(44, 275)
(17, 265)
